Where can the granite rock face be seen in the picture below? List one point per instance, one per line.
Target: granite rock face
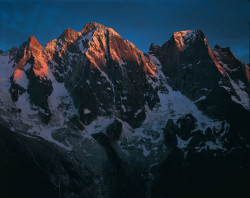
(93, 116)
(98, 62)
(189, 63)
(214, 79)
(31, 76)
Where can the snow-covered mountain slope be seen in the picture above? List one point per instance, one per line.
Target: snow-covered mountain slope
(97, 96)
(96, 74)
(198, 72)
(97, 61)
(237, 75)
(21, 113)
(187, 72)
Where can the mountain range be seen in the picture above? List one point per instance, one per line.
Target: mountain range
(90, 115)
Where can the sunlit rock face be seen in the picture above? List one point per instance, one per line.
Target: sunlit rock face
(236, 81)
(188, 61)
(214, 79)
(92, 113)
(104, 73)
(31, 76)
(200, 73)
(31, 51)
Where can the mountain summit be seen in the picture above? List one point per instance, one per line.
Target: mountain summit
(91, 111)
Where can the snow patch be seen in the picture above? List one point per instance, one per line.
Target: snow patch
(86, 111)
(23, 81)
(201, 98)
(243, 96)
(182, 144)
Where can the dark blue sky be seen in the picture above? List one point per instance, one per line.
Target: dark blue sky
(224, 22)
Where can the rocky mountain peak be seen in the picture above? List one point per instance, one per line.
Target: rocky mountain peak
(184, 39)
(111, 114)
(31, 53)
(237, 75)
(105, 44)
(32, 39)
(221, 52)
(224, 51)
(100, 44)
(69, 35)
(229, 61)
(219, 47)
(178, 37)
(186, 71)
(91, 26)
(154, 48)
(32, 45)
(31, 76)
(97, 61)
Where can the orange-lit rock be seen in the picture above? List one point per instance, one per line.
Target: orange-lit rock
(32, 51)
(188, 60)
(97, 62)
(108, 44)
(247, 71)
(236, 78)
(178, 37)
